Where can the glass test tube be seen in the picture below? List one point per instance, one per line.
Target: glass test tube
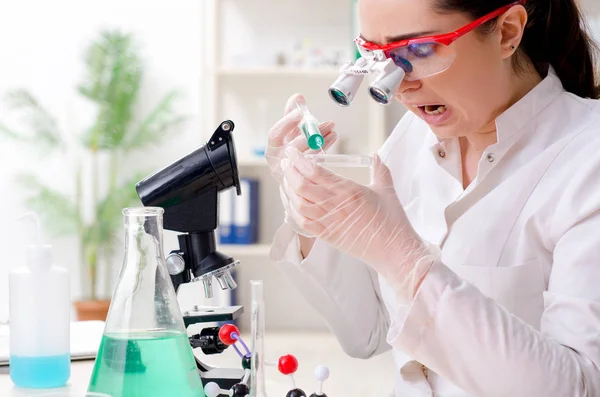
(257, 330)
(310, 127)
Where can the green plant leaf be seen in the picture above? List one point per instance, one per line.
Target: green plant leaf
(8, 133)
(160, 123)
(41, 127)
(114, 75)
(57, 211)
(109, 211)
(101, 236)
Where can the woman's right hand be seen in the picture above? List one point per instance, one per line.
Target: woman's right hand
(286, 132)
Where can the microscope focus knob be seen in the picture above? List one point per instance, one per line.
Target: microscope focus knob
(175, 264)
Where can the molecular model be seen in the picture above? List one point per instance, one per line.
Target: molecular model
(287, 365)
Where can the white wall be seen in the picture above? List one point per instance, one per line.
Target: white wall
(41, 49)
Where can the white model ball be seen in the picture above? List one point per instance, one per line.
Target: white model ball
(212, 389)
(321, 373)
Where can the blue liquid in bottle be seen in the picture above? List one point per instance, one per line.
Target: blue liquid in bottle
(40, 372)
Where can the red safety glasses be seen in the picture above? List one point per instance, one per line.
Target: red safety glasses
(426, 56)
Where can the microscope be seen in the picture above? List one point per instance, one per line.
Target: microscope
(188, 191)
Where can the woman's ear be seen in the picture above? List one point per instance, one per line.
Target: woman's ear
(512, 26)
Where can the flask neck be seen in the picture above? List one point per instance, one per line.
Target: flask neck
(143, 239)
(144, 297)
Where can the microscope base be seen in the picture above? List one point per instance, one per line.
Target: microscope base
(226, 378)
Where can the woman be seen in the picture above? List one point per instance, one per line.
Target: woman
(475, 253)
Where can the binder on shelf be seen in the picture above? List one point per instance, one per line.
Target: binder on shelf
(245, 213)
(225, 226)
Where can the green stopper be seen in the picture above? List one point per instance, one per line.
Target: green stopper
(315, 142)
(313, 135)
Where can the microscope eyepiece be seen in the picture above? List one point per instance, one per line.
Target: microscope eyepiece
(187, 189)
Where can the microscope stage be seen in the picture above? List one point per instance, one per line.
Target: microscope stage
(211, 314)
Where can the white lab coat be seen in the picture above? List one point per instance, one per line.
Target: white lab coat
(513, 306)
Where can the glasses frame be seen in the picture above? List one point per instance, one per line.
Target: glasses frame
(445, 39)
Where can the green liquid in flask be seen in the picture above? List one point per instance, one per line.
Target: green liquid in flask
(157, 365)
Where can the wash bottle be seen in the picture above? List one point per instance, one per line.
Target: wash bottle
(39, 304)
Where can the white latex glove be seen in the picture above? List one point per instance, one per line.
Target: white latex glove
(367, 222)
(286, 133)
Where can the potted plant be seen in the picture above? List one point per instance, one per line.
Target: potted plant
(112, 84)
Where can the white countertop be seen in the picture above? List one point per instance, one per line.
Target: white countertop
(349, 377)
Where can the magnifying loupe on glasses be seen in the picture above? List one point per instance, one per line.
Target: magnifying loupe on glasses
(408, 59)
(414, 61)
(382, 89)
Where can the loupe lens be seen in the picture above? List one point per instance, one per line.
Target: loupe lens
(339, 97)
(379, 95)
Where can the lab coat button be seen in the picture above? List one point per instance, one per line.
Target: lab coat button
(441, 153)
(490, 158)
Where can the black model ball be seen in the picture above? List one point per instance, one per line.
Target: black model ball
(240, 390)
(246, 362)
(295, 393)
(318, 395)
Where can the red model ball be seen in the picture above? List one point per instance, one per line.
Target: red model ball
(225, 334)
(287, 364)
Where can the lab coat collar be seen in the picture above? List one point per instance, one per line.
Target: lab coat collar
(515, 118)
(522, 112)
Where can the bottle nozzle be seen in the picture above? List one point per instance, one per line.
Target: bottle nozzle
(38, 225)
(39, 256)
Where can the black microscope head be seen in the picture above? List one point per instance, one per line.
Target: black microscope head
(188, 192)
(187, 189)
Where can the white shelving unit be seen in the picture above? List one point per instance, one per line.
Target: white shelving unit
(243, 82)
(259, 250)
(240, 72)
(279, 71)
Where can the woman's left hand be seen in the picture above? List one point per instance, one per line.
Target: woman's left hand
(367, 222)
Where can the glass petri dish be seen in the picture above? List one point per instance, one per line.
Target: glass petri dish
(355, 167)
(341, 160)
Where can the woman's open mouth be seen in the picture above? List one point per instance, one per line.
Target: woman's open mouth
(434, 109)
(435, 114)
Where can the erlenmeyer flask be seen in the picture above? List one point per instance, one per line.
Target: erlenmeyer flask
(145, 350)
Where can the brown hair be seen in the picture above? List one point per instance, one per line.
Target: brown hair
(554, 35)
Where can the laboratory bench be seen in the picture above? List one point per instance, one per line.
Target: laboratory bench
(349, 377)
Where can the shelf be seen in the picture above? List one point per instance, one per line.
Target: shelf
(251, 161)
(245, 249)
(279, 71)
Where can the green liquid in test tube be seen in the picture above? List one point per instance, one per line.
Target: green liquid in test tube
(310, 127)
